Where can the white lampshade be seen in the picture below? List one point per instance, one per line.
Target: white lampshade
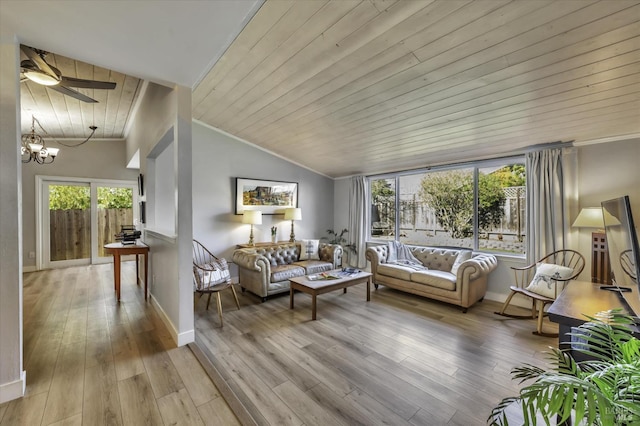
(293, 213)
(590, 217)
(254, 217)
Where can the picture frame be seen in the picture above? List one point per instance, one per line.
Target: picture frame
(268, 196)
(143, 212)
(140, 185)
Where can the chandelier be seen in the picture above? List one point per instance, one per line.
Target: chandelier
(33, 146)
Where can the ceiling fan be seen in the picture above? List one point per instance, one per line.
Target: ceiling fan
(39, 71)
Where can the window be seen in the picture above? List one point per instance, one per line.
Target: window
(479, 206)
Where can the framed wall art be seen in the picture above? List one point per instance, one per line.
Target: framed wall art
(268, 196)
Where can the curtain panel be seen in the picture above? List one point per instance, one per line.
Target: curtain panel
(358, 218)
(546, 204)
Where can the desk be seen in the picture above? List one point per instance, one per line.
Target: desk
(119, 249)
(580, 298)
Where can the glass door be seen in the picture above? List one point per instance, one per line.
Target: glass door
(79, 216)
(67, 224)
(114, 210)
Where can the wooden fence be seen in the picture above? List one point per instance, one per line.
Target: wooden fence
(70, 231)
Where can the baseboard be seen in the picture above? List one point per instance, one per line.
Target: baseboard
(13, 390)
(180, 339)
(31, 268)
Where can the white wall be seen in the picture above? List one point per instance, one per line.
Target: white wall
(98, 159)
(12, 376)
(164, 122)
(605, 171)
(217, 160)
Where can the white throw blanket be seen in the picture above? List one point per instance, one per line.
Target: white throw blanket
(400, 254)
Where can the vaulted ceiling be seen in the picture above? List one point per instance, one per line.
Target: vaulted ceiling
(347, 87)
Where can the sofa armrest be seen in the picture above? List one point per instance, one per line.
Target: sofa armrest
(254, 271)
(480, 264)
(251, 260)
(331, 253)
(376, 255)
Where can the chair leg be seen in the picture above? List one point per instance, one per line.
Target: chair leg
(506, 303)
(540, 317)
(208, 300)
(235, 295)
(219, 307)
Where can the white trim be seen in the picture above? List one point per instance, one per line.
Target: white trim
(608, 139)
(32, 268)
(180, 339)
(13, 390)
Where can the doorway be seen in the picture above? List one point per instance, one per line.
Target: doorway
(77, 217)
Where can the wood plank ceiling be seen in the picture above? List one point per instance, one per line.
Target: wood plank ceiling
(348, 87)
(64, 117)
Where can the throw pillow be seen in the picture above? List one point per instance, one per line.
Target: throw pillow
(544, 282)
(309, 250)
(462, 256)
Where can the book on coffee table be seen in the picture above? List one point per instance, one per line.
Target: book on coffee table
(322, 276)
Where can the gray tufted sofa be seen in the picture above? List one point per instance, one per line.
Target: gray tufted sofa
(448, 279)
(265, 271)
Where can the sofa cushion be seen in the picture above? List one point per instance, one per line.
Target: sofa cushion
(395, 271)
(309, 250)
(435, 278)
(314, 266)
(286, 272)
(462, 256)
(281, 254)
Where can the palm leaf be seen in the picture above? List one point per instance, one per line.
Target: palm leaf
(601, 391)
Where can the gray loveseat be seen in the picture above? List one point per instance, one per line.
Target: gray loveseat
(449, 277)
(265, 271)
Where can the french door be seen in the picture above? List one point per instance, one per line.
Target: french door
(77, 217)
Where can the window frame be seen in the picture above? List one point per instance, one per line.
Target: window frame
(476, 166)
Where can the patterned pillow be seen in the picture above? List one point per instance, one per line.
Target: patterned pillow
(309, 250)
(544, 282)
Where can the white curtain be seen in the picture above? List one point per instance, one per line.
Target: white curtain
(546, 206)
(358, 220)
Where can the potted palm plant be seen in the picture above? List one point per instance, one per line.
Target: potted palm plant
(602, 390)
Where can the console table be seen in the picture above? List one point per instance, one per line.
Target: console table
(580, 298)
(118, 250)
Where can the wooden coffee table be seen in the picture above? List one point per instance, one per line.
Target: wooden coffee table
(316, 287)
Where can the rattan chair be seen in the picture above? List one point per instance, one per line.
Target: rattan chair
(210, 275)
(523, 277)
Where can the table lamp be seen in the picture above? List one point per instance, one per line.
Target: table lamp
(292, 213)
(591, 217)
(252, 217)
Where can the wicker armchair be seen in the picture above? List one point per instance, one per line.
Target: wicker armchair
(210, 275)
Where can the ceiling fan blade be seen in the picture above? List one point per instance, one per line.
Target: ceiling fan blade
(87, 84)
(39, 61)
(70, 92)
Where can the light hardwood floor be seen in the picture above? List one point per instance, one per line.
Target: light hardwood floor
(397, 360)
(92, 361)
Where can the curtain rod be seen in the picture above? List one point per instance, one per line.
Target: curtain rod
(525, 150)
